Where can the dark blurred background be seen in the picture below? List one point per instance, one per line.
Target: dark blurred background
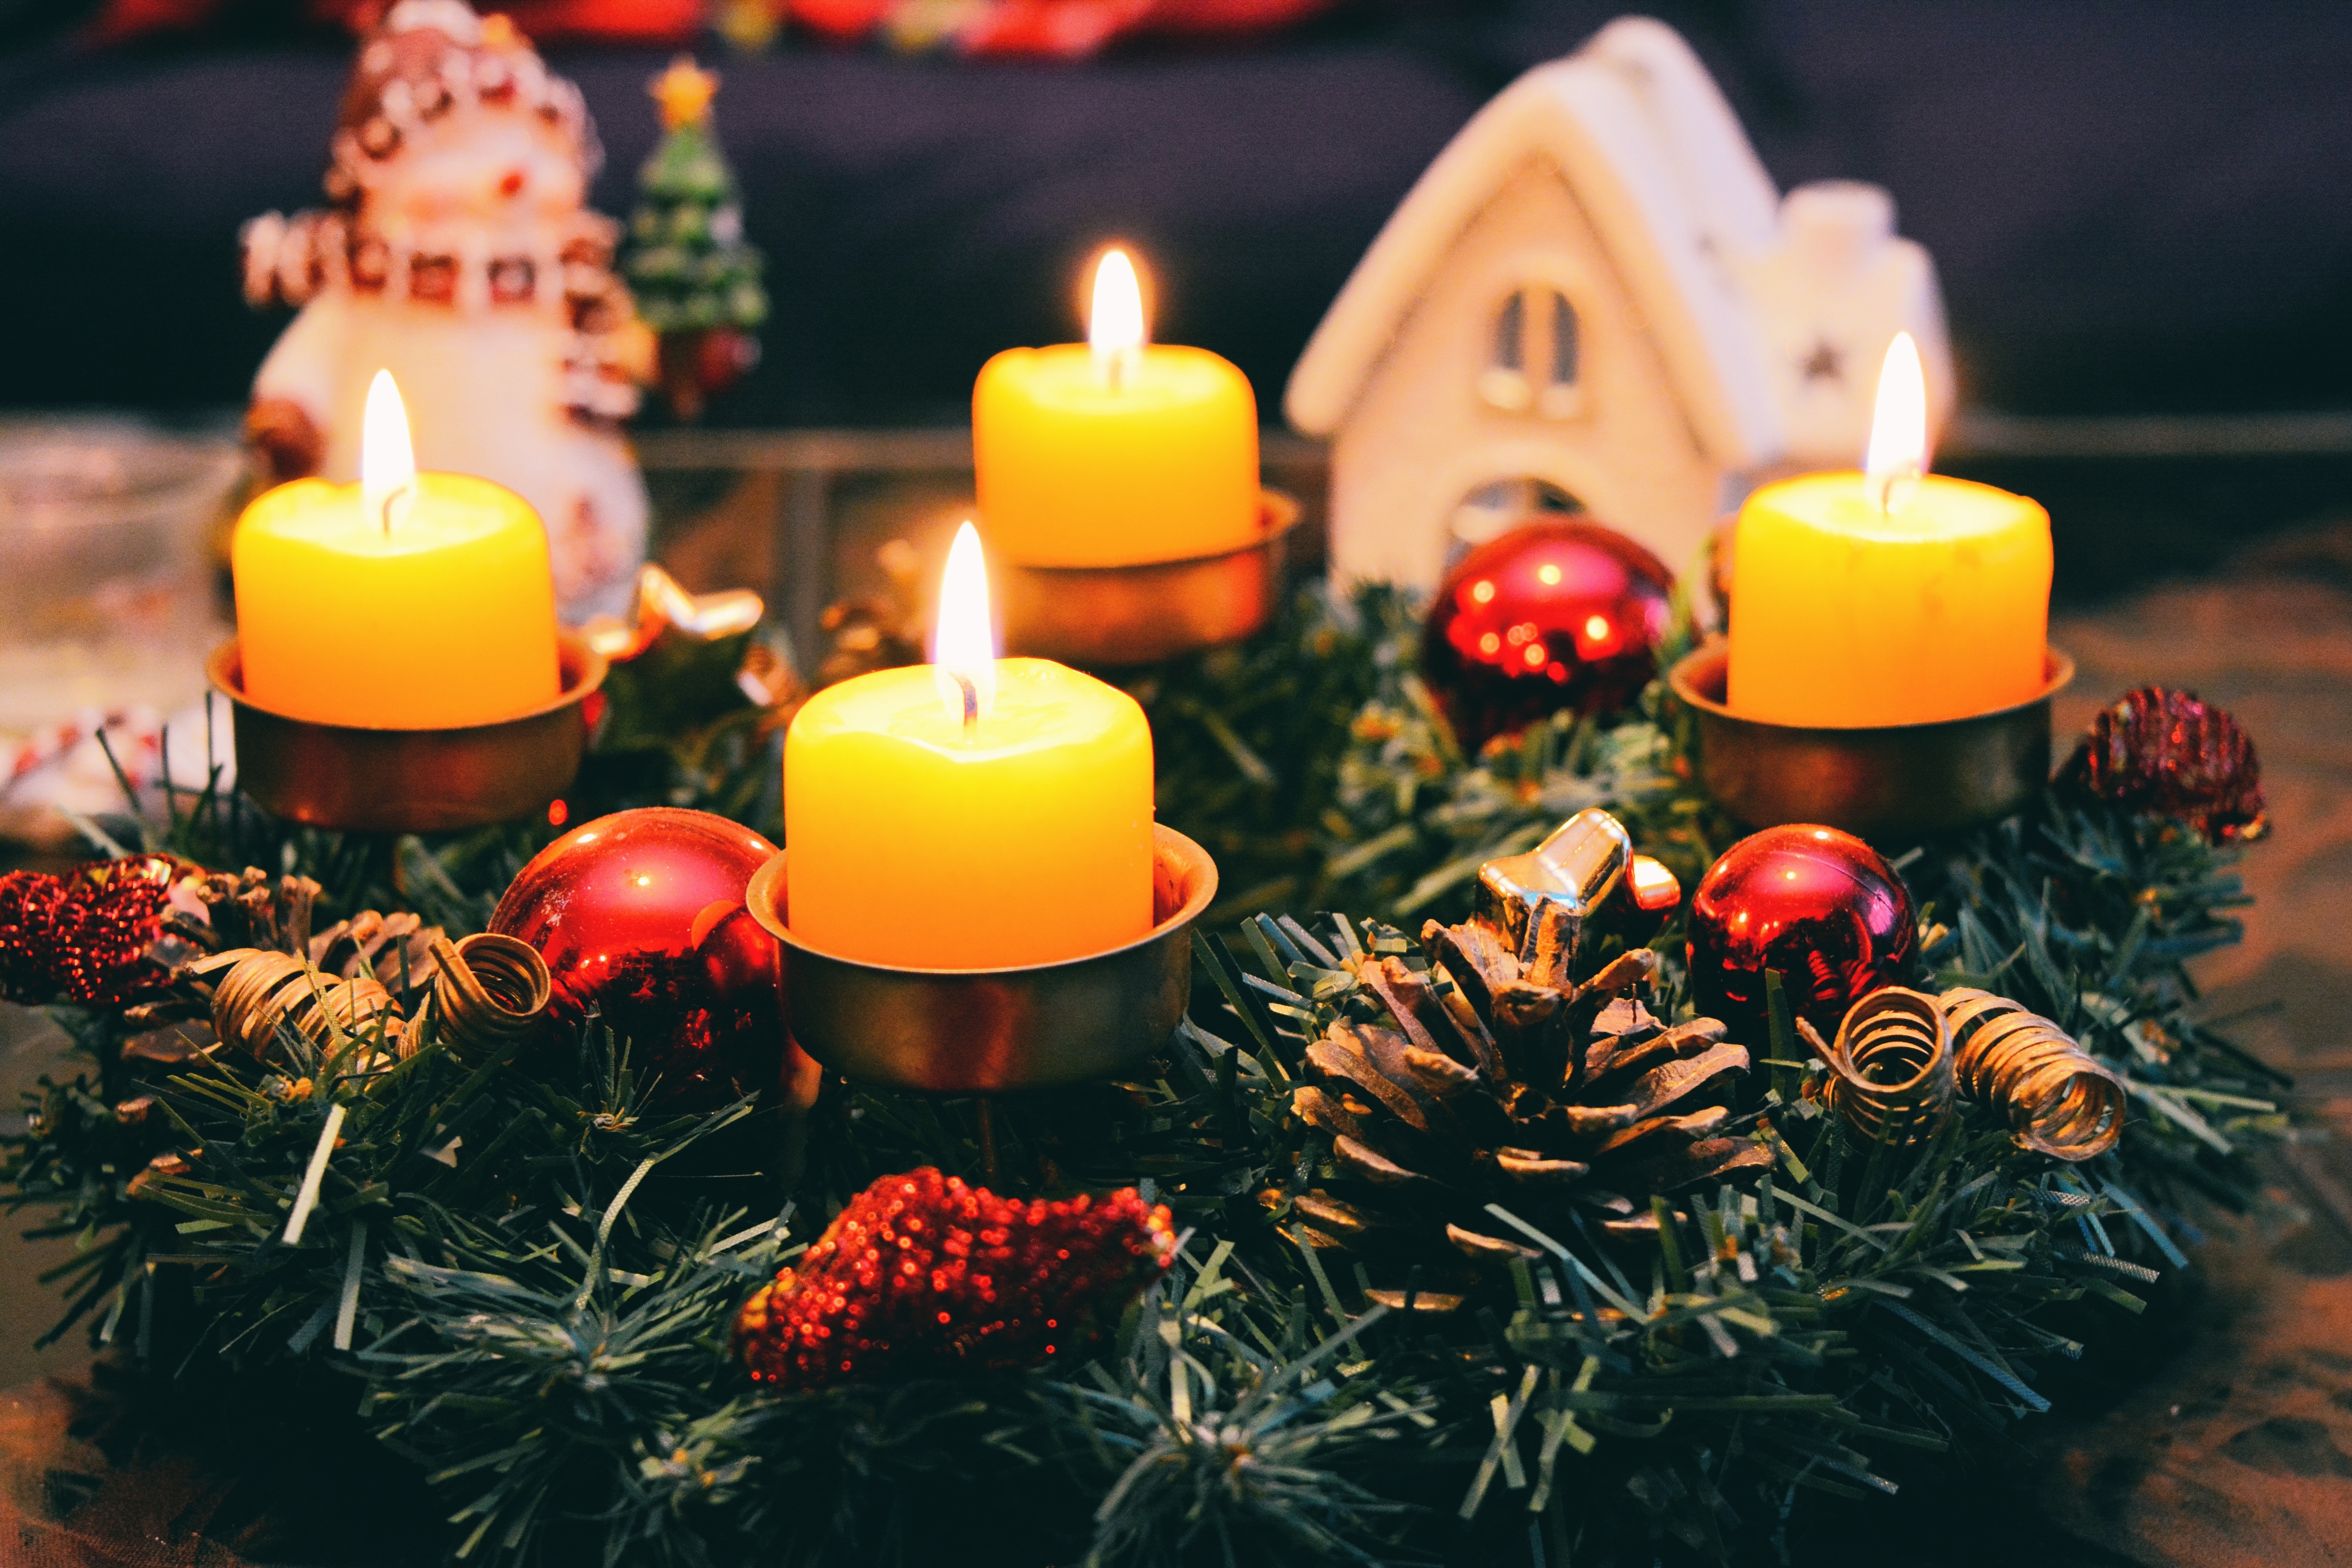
(2137, 206)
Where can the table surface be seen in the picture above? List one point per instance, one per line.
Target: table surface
(2235, 1450)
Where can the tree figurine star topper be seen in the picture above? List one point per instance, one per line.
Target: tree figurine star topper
(697, 279)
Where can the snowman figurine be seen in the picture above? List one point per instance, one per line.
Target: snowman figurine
(458, 256)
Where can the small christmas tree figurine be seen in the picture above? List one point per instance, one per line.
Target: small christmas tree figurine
(696, 282)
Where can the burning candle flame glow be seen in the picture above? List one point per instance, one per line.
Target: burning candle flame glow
(387, 462)
(964, 642)
(1899, 427)
(1115, 328)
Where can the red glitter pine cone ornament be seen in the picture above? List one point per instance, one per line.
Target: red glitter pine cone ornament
(640, 915)
(922, 1275)
(1820, 906)
(83, 937)
(1551, 613)
(2165, 752)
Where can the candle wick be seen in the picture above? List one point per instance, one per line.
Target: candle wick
(1112, 366)
(1884, 491)
(389, 498)
(971, 703)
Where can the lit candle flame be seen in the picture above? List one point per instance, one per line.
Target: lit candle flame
(963, 644)
(1899, 427)
(1114, 328)
(387, 462)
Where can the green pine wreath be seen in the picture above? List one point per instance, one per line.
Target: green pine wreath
(540, 1329)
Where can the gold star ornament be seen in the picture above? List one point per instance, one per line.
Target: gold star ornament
(663, 605)
(684, 92)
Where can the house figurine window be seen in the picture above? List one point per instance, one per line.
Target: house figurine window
(1533, 363)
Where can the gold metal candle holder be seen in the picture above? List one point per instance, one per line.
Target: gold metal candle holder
(990, 1031)
(1892, 784)
(1100, 617)
(365, 780)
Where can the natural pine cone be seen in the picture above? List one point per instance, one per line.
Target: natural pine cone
(879, 631)
(922, 1275)
(1443, 1090)
(2164, 751)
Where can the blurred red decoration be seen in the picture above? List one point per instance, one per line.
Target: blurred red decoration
(1820, 906)
(697, 365)
(1067, 29)
(2165, 752)
(83, 937)
(922, 1275)
(645, 22)
(28, 907)
(640, 915)
(1551, 613)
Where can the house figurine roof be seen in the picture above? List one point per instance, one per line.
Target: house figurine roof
(1676, 194)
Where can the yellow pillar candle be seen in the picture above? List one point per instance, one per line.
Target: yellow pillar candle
(404, 602)
(1888, 597)
(976, 814)
(1115, 452)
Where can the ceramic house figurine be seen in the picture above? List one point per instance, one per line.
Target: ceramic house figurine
(458, 256)
(1595, 299)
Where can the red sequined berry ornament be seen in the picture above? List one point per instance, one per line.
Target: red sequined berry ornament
(28, 902)
(1551, 613)
(1820, 906)
(2168, 752)
(83, 937)
(640, 915)
(922, 1275)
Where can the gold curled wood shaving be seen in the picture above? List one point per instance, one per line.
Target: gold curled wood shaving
(1891, 1073)
(261, 989)
(490, 989)
(2060, 1099)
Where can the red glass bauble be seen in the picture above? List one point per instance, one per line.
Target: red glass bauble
(1551, 613)
(1820, 906)
(640, 915)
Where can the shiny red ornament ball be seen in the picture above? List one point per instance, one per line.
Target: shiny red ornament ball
(2170, 753)
(1820, 906)
(1551, 613)
(640, 916)
(923, 1276)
